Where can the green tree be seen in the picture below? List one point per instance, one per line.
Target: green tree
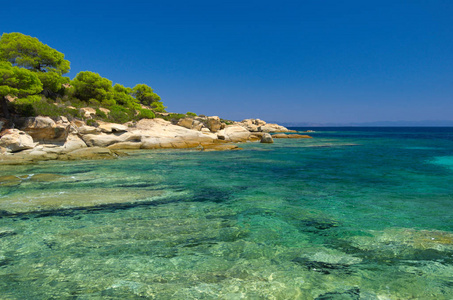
(15, 81)
(146, 96)
(123, 96)
(52, 82)
(88, 85)
(29, 53)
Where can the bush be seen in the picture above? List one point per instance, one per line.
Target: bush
(120, 114)
(38, 105)
(92, 122)
(174, 118)
(146, 114)
(227, 122)
(100, 114)
(191, 114)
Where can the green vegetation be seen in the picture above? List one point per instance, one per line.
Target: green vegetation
(38, 105)
(89, 86)
(33, 72)
(146, 96)
(15, 81)
(29, 53)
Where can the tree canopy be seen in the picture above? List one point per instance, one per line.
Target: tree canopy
(146, 96)
(28, 52)
(123, 96)
(15, 81)
(89, 85)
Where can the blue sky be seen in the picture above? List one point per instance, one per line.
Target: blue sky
(295, 61)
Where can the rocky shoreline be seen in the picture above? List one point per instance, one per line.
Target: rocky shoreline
(42, 138)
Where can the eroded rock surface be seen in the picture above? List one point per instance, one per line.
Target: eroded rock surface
(16, 140)
(45, 129)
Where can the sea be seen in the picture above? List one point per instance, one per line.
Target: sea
(352, 213)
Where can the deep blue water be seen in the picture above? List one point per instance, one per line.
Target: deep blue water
(354, 213)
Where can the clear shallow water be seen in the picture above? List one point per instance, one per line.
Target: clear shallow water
(355, 213)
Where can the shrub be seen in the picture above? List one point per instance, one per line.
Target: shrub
(174, 118)
(100, 114)
(92, 122)
(191, 114)
(120, 114)
(227, 122)
(37, 105)
(146, 114)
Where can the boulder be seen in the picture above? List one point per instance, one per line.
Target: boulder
(197, 125)
(248, 124)
(45, 129)
(251, 125)
(15, 140)
(158, 133)
(73, 142)
(213, 123)
(272, 128)
(105, 110)
(266, 138)
(77, 123)
(191, 123)
(205, 130)
(85, 129)
(256, 136)
(104, 140)
(62, 120)
(87, 112)
(111, 127)
(234, 133)
(186, 123)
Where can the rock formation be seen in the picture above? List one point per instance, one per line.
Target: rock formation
(16, 140)
(267, 138)
(44, 139)
(46, 129)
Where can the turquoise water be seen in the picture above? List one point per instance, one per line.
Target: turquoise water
(354, 213)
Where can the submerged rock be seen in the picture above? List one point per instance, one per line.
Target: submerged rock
(220, 147)
(352, 294)
(10, 180)
(6, 232)
(290, 136)
(399, 240)
(66, 198)
(91, 153)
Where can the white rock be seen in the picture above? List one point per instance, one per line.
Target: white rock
(15, 140)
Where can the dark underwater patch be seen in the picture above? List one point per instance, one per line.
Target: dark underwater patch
(352, 294)
(322, 267)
